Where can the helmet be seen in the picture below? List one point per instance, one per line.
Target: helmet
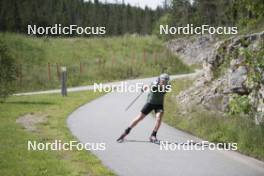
(165, 77)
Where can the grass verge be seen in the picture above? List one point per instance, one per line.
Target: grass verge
(17, 160)
(88, 60)
(215, 127)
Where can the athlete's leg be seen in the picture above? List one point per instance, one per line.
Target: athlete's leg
(153, 136)
(145, 110)
(159, 116)
(140, 117)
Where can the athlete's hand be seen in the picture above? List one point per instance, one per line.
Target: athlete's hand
(144, 88)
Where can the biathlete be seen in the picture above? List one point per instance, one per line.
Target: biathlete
(155, 100)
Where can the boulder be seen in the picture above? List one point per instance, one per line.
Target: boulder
(259, 117)
(237, 80)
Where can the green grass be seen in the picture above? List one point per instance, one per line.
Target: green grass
(102, 59)
(215, 127)
(17, 160)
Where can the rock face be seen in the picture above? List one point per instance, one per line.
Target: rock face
(225, 71)
(259, 118)
(192, 50)
(237, 80)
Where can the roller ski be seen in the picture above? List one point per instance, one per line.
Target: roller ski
(122, 137)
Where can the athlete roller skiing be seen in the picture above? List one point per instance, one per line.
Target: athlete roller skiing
(155, 100)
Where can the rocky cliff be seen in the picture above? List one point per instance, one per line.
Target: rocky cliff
(233, 73)
(192, 50)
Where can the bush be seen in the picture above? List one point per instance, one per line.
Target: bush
(164, 20)
(239, 104)
(7, 72)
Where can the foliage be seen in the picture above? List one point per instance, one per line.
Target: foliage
(164, 20)
(255, 65)
(7, 72)
(242, 13)
(239, 104)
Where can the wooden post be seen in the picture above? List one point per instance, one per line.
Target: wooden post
(103, 63)
(144, 56)
(113, 61)
(81, 70)
(49, 72)
(167, 53)
(133, 57)
(58, 71)
(20, 73)
(131, 60)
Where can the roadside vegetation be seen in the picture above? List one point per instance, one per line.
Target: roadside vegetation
(88, 60)
(212, 126)
(7, 72)
(17, 160)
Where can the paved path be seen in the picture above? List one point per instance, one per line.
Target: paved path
(103, 119)
(91, 87)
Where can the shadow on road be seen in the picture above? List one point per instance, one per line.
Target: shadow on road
(134, 140)
(164, 141)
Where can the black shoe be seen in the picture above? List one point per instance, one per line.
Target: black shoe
(121, 138)
(153, 139)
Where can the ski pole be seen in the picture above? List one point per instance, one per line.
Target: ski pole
(134, 100)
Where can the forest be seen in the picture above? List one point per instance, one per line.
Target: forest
(123, 18)
(118, 19)
(220, 12)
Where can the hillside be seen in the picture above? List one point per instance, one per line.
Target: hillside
(226, 102)
(88, 60)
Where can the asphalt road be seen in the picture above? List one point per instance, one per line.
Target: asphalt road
(105, 118)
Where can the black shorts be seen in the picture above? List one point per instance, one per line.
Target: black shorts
(149, 107)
